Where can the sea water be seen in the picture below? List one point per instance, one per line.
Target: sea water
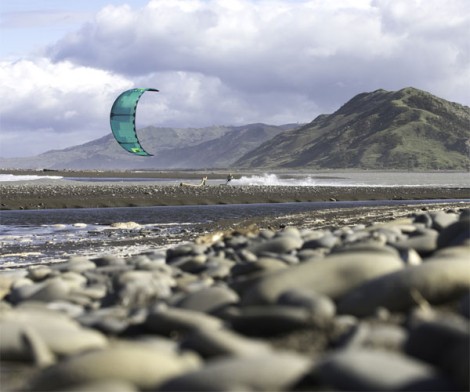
(319, 178)
(42, 236)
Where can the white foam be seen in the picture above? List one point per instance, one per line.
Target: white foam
(273, 180)
(14, 177)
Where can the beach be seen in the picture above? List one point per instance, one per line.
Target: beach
(91, 195)
(360, 297)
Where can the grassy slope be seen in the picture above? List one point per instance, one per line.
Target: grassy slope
(407, 129)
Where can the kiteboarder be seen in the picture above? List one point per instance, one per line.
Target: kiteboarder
(229, 178)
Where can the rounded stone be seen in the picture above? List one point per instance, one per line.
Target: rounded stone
(456, 234)
(145, 368)
(332, 276)
(441, 219)
(62, 335)
(167, 321)
(281, 244)
(322, 309)
(263, 372)
(223, 342)
(46, 291)
(209, 299)
(444, 343)
(271, 320)
(377, 370)
(424, 243)
(434, 281)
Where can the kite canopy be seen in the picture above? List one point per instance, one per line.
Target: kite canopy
(122, 120)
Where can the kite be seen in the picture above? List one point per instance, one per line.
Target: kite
(122, 119)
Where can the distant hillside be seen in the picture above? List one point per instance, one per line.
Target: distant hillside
(183, 148)
(406, 129)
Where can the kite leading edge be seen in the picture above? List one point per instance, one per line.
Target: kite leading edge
(122, 119)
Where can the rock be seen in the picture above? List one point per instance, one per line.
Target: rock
(377, 370)
(140, 288)
(209, 299)
(108, 260)
(424, 243)
(444, 343)
(39, 273)
(373, 336)
(76, 263)
(264, 372)
(167, 321)
(322, 309)
(62, 335)
(271, 320)
(144, 368)
(104, 386)
(456, 234)
(327, 240)
(332, 276)
(223, 342)
(464, 306)
(281, 244)
(441, 219)
(434, 281)
(6, 283)
(46, 291)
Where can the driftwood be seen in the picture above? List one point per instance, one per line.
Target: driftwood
(202, 183)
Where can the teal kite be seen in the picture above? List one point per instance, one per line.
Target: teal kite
(122, 120)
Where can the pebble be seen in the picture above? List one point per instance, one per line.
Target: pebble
(378, 370)
(435, 282)
(209, 299)
(141, 366)
(244, 374)
(445, 343)
(332, 276)
(361, 307)
(174, 320)
(55, 329)
(222, 342)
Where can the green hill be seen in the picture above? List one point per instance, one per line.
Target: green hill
(406, 129)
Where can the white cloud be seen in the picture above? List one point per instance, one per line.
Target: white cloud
(276, 46)
(61, 103)
(240, 61)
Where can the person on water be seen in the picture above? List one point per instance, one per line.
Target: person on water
(229, 178)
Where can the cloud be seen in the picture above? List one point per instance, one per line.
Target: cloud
(323, 50)
(238, 61)
(40, 18)
(55, 104)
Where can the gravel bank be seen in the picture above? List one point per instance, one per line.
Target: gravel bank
(359, 306)
(69, 194)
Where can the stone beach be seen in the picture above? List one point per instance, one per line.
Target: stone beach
(72, 194)
(365, 301)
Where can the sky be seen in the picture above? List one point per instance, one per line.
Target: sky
(215, 62)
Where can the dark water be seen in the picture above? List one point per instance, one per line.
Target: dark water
(178, 214)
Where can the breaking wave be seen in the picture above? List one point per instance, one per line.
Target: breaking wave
(274, 180)
(14, 177)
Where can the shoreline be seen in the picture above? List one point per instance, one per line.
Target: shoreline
(51, 194)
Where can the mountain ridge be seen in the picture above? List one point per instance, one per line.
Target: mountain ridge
(405, 129)
(173, 148)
